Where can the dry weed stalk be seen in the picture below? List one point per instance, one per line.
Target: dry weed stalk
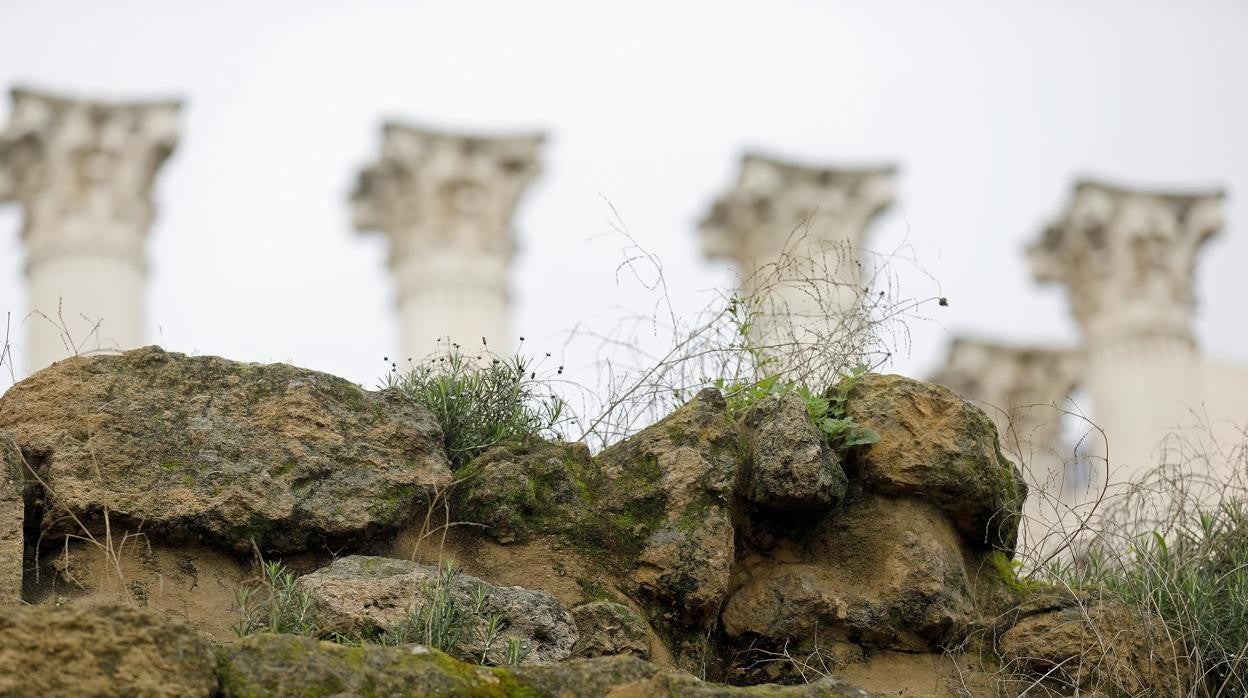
(1172, 545)
(111, 548)
(440, 502)
(6, 351)
(795, 319)
(72, 347)
(815, 664)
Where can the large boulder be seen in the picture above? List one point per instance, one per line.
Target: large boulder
(110, 651)
(670, 486)
(935, 445)
(228, 452)
(888, 574)
(791, 467)
(757, 525)
(360, 595)
(286, 665)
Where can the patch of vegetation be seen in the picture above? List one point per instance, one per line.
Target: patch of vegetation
(443, 621)
(594, 590)
(274, 604)
(827, 412)
(481, 401)
(1195, 579)
(1007, 572)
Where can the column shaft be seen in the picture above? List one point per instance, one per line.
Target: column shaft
(1146, 393)
(449, 297)
(82, 304)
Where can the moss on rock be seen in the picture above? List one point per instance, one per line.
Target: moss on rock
(204, 448)
(937, 446)
(287, 665)
(106, 651)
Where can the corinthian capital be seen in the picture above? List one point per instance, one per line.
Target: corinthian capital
(447, 192)
(1022, 388)
(1127, 257)
(777, 205)
(83, 170)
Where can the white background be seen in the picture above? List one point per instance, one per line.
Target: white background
(991, 109)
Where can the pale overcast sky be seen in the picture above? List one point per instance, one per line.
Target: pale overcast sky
(989, 108)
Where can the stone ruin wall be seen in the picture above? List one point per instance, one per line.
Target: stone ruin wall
(714, 542)
(83, 172)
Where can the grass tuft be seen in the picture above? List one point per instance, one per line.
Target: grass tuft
(481, 401)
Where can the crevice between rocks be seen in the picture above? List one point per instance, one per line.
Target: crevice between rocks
(34, 504)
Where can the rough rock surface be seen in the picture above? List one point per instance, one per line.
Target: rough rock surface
(758, 524)
(654, 508)
(673, 483)
(791, 466)
(936, 445)
(888, 574)
(221, 450)
(624, 677)
(109, 651)
(609, 628)
(1095, 646)
(716, 536)
(11, 515)
(362, 594)
(284, 665)
(525, 488)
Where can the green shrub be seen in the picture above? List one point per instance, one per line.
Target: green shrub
(481, 401)
(443, 621)
(274, 604)
(1195, 580)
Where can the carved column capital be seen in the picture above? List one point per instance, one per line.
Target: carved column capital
(776, 205)
(448, 192)
(1006, 376)
(83, 171)
(1017, 386)
(1127, 257)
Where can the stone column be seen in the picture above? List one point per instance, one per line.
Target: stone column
(1023, 390)
(446, 202)
(1127, 259)
(795, 234)
(83, 173)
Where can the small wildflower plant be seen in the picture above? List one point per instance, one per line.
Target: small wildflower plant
(482, 400)
(274, 604)
(462, 629)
